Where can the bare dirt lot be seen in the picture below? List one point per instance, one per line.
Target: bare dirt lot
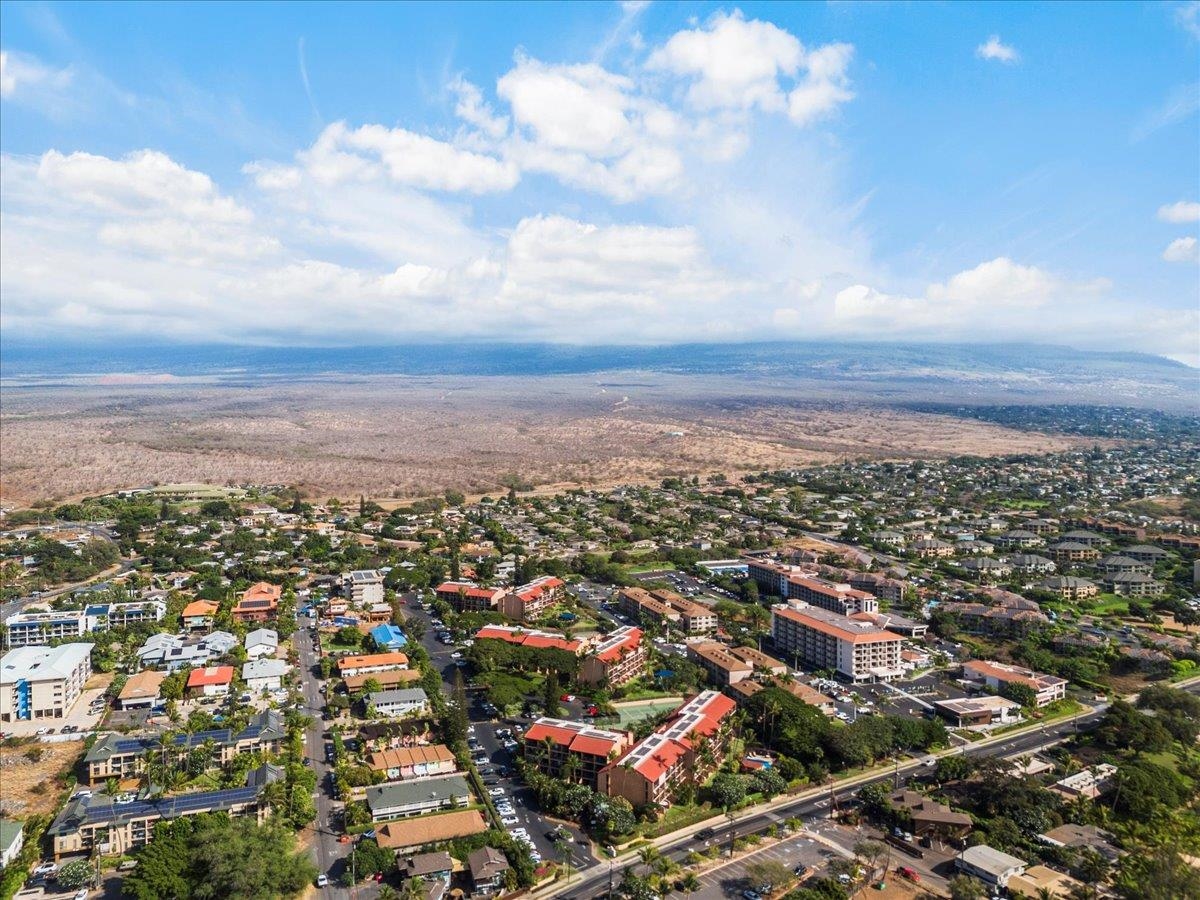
(398, 436)
(31, 786)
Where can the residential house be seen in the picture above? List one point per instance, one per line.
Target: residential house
(487, 866)
(261, 642)
(141, 691)
(198, 615)
(264, 675)
(213, 681)
(387, 637)
(258, 603)
(430, 866)
(12, 840)
(399, 702)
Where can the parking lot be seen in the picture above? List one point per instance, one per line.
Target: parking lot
(80, 718)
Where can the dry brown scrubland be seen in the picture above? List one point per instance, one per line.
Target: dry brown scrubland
(403, 436)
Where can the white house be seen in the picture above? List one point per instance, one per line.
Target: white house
(400, 702)
(12, 839)
(264, 675)
(261, 642)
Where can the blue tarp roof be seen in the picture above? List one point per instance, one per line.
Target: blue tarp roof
(388, 636)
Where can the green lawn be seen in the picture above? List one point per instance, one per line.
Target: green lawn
(628, 713)
(1108, 604)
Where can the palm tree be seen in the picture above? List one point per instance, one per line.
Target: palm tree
(648, 854)
(688, 884)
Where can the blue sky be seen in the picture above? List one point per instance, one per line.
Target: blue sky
(602, 172)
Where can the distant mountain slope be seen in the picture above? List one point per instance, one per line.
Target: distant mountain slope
(822, 359)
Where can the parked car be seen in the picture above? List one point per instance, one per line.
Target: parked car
(908, 872)
(322, 880)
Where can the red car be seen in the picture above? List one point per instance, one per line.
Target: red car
(567, 698)
(379, 876)
(593, 710)
(910, 874)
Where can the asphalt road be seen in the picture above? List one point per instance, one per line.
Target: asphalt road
(524, 805)
(327, 853)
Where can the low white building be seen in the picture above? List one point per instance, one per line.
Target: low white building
(991, 866)
(264, 675)
(399, 702)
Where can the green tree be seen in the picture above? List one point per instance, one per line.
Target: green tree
(964, 887)
(727, 790)
(75, 874)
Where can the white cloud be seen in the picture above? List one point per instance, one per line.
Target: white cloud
(473, 109)
(996, 50)
(371, 152)
(142, 183)
(825, 87)
(21, 71)
(1180, 213)
(582, 108)
(734, 63)
(1182, 250)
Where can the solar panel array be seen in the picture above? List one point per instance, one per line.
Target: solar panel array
(101, 812)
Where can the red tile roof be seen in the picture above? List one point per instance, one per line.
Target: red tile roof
(524, 638)
(211, 675)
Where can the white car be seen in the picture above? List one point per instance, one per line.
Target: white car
(497, 792)
(322, 880)
(509, 820)
(456, 655)
(48, 868)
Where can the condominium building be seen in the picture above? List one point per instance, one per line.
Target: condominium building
(573, 751)
(466, 596)
(43, 682)
(529, 602)
(124, 756)
(404, 763)
(723, 668)
(1047, 688)
(401, 799)
(95, 824)
(371, 663)
(856, 650)
(796, 583)
(528, 637)
(618, 658)
(668, 609)
(33, 628)
(686, 749)
(363, 587)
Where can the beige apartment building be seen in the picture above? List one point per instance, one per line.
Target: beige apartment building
(856, 650)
